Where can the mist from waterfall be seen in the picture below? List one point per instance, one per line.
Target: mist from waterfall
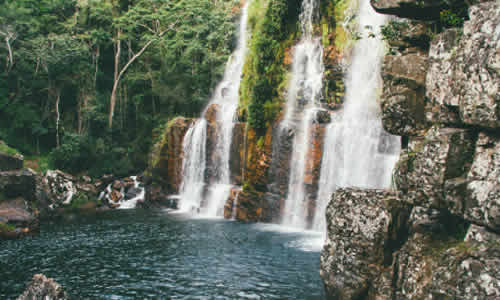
(225, 99)
(357, 151)
(304, 95)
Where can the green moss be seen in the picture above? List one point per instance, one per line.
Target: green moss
(274, 26)
(6, 227)
(8, 150)
(81, 199)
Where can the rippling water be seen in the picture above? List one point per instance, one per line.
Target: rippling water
(140, 254)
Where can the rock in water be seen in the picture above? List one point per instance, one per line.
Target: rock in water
(43, 288)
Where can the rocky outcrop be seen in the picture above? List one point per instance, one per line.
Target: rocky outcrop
(18, 200)
(447, 175)
(414, 9)
(404, 72)
(165, 171)
(463, 80)
(10, 162)
(358, 226)
(442, 154)
(43, 288)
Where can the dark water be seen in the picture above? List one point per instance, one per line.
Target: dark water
(139, 254)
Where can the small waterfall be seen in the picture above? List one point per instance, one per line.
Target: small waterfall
(357, 150)
(193, 166)
(304, 95)
(225, 99)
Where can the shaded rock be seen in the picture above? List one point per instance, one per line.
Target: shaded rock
(252, 207)
(403, 101)
(443, 101)
(358, 228)
(43, 288)
(167, 156)
(11, 162)
(443, 154)
(322, 117)
(237, 154)
(19, 183)
(414, 9)
(480, 234)
(231, 206)
(482, 206)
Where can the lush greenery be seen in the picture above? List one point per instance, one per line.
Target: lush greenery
(273, 24)
(86, 82)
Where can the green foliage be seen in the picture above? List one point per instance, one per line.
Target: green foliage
(451, 18)
(7, 150)
(73, 155)
(81, 199)
(6, 227)
(392, 31)
(264, 71)
(65, 49)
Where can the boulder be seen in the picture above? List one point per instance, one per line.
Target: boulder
(43, 288)
(358, 227)
(10, 162)
(19, 183)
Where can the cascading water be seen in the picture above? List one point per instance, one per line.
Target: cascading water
(193, 166)
(357, 150)
(304, 94)
(225, 99)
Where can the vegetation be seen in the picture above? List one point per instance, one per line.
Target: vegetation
(87, 81)
(273, 24)
(7, 150)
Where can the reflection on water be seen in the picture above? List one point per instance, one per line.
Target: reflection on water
(140, 254)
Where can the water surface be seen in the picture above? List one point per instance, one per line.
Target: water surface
(139, 254)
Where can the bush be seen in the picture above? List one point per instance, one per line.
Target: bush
(73, 155)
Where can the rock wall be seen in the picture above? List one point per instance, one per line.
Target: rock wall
(437, 234)
(165, 170)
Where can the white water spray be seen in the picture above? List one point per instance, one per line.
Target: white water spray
(357, 151)
(225, 98)
(304, 95)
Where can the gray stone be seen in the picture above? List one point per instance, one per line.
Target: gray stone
(444, 153)
(43, 288)
(358, 227)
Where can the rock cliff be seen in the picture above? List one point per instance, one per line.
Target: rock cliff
(437, 234)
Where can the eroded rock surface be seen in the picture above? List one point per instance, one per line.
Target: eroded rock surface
(43, 288)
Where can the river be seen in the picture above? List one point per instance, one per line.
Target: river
(137, 254)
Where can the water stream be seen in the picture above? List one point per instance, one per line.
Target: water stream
(357, 151)
(303, 103)
(225, 101)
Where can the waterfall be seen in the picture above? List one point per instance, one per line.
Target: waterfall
(193, 166)
(357, 151)
(304, 95)
(225, 99)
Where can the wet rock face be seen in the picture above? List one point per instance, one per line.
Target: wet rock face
(358, 228)
(43, 288)
(166, 168)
